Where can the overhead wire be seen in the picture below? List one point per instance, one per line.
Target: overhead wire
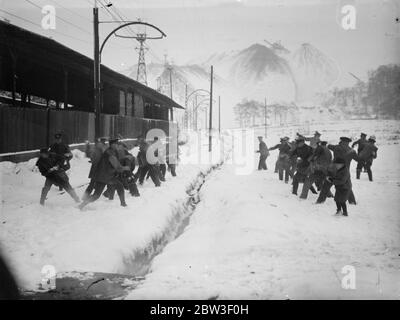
(39, 26)
(60, 18)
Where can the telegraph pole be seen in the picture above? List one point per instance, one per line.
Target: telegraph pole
(170, 90)
(186, 115)
(210, 116)
(195, 114)
(205, 120)
(170, 82)
(265, 117)
(219, 115)
(96, 68)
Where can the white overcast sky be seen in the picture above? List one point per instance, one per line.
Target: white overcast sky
(199, 28)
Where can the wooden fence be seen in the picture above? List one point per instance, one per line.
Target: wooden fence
(29, 129)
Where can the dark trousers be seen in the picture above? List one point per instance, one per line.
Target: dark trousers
(319, 178)
(163, 170)
(172, 169)
(292, 168)
(65, 185)
(153, 174)
(157, 170)
(364, 164)
(111, 188)
(308, 185)
(341, 206)
(297, 178)
(326, 192)
(133, 189)
(262, 165)
(281, 171)
(89, 189)
(98, 190)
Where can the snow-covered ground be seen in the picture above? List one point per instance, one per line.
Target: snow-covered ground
(248, 236)
(103, 237)
(256, 240)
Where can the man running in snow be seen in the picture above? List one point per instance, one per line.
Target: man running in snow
(339, 176)
(360, 142)
(95, 157)
(49, 167)
(366, 157)
(264, 153)
(320, 161)
(344, 152)
(146, 167)
(314, 140)
(283, 162)
(106, 173)
(62, 151)
(304, 152)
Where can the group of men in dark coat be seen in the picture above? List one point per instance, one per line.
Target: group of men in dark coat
(112, 167)
(313, 164)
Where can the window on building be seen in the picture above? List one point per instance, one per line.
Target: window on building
(122, 107)
(129, 104)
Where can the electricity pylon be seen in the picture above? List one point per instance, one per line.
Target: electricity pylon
(141, 38)
(141, 69)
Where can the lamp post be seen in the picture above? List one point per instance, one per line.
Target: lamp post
(188, 96)
(219, 115)
(199, 104)
(97, 58)
(96, 69)
(265, 119)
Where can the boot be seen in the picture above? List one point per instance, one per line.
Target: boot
(370, 175)
(295, 187)
(107, 193)
(134, 190)
(312, 189)
(122, 199)
(358, 172)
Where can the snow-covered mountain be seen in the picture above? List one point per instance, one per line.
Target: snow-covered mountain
(256, 72)
(259, 72)
(314, 71)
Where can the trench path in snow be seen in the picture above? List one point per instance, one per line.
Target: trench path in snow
(98, 285)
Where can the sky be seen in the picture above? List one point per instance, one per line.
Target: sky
(196, 29)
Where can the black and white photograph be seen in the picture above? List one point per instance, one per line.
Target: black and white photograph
(199, 150)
